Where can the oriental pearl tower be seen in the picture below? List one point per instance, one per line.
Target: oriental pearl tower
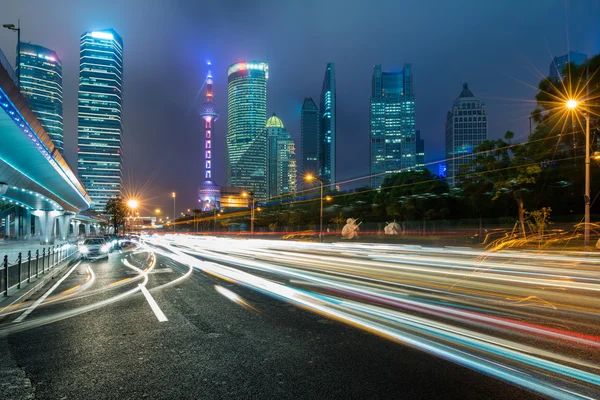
(208, 192)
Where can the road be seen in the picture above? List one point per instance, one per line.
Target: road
(206, 318)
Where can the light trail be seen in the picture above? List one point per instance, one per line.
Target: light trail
(528, 318)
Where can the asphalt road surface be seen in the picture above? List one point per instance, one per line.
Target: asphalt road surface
(192, 318)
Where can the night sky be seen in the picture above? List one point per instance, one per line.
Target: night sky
(501, 48)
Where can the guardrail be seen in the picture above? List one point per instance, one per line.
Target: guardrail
(28, 265)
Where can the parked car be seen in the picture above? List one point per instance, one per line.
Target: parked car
(94, 248)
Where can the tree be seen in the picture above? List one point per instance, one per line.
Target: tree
(117, 210)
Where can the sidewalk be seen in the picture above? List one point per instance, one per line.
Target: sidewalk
(12, 248)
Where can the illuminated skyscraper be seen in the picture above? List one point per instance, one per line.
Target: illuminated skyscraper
(246, 120)
(327, 127)
(41, 85)
(208, 192)
(99, 120)
(309, 137)
(281, 159)
(420, 146)
(393, 136)
(466, 128)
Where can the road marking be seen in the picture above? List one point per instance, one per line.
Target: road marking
(157, 311)
(41, 299)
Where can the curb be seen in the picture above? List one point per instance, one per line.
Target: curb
(28, 291)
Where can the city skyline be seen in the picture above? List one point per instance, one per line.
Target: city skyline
(507, 94)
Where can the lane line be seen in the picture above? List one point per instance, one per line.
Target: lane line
(157, 311)
(41, 299)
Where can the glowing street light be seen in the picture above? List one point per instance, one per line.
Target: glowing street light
(173, 195)
(574, 105)
(310, 178)
(133, 204)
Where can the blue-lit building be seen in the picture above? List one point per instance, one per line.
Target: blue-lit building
(41, 85)
(559, 63)
(100, 126)
(466, 129)
(309, 137)
(392, 123)
(327, 127)
(420, 148)
(246, 139)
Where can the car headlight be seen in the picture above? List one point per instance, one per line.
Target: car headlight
(105, 249)
(84, 250)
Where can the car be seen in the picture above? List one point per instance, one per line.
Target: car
(94, 248)
(113, 242)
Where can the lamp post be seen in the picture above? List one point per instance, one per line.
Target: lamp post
(173, 195)
(132, 204)
(17, 29)
(573, 104)
(251, 195)
(310, 178)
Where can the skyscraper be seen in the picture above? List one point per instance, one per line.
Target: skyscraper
(246, 121)
(327, 127)
(420, 146)
(41, 85)
(558, 64)
(208, 192)
(393, 136)
(309, 137)
(466, 128)
(99, 118)
(281, 159)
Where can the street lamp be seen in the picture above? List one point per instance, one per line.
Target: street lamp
(310, 178)
(132, 204)
(573, 105)
(173, 195)
(251, 195)
(17, 29)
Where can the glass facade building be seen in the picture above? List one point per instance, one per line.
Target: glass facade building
(281, 159)
(246, 120)
(327, 127)
(420, 146)
(99, 115)
(392, 123)
(309, 137)
(559, 63)
(41, 85)
(466, 128)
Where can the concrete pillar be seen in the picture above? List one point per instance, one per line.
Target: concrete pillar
(7, 226)
(27, 224)
(18, 215)
(46, 221)
(87, 226)
(63, 225)
(76, 229)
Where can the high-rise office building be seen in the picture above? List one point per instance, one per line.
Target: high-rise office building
(393, 135)
(327, 127)
(246, 121)
(309, 137)
(281, 159)
(466, 128)
(420, 148)
(41, 85)
(99, 115)
(558, 64)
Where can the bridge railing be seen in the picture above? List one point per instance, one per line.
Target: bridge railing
(28, 265)
(11, 72)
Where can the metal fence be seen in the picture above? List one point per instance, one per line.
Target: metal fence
(13, 273)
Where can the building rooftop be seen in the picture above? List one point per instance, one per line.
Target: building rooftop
(466, 92)
(275, 122)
